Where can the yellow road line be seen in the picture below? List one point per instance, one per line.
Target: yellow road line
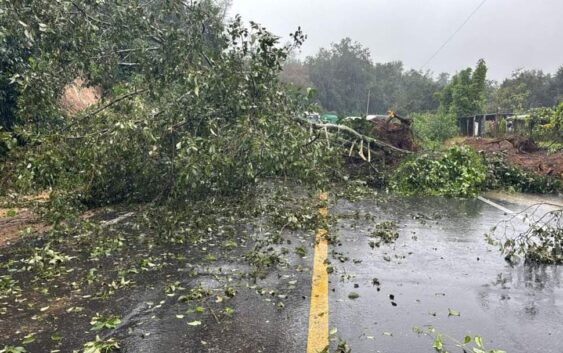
(317, 339)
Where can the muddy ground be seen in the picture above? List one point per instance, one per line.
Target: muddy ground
(540, 161)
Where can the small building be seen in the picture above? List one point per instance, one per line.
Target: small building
(518, 124)
(481, 124)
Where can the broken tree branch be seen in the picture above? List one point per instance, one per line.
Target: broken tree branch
(355, 134)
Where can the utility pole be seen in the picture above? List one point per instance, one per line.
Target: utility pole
(367, 107)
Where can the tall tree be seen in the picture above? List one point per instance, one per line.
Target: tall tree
(465, 94)
(416, 93)
(295, 72)
(556, 86)
(527, 89)
(386, 85)
(342, 76)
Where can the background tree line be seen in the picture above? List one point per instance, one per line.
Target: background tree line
(344, 73)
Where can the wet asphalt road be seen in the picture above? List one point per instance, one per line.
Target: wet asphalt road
(258, 324)
(440, 262)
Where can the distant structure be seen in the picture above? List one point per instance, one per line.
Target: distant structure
(477, 125)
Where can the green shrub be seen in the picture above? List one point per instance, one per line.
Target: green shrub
(459, 171)
(546, 124)
(434, 128)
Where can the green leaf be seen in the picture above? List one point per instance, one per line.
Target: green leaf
(438, 344)
(353, 295)
(28, 338)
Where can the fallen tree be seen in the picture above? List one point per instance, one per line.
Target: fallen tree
(200, 113)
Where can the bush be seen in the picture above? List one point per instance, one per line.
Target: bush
(458, 171)
(432, 128)
(547, 123)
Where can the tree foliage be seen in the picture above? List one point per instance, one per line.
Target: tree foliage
(434, 128)
(190, 107)
(527, 89)
(546, 124)
(502, 175)
(457, 171)
(342, 75)
(465, 94)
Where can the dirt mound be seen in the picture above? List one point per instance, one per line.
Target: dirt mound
(77, 96)
(397, 134)
(521, 152)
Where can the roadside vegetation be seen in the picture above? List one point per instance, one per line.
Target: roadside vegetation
(458, 171)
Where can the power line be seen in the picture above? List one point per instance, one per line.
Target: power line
(453, 34)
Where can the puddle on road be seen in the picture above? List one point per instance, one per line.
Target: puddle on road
(439, 262)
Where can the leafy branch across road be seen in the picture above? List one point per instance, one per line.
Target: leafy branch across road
(540, 242)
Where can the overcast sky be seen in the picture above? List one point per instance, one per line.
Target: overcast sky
(508, 34)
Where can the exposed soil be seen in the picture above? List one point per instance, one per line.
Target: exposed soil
(14, 220)
(521, 153)
(396, 134)
(78, 96)
(11, 227)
